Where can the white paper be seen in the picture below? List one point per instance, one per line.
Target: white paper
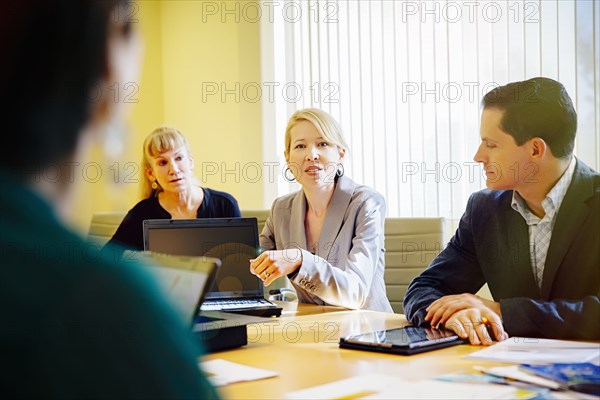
(431, 389)
(377, 386)
(539, 351)
(364, 386)
(221, 372)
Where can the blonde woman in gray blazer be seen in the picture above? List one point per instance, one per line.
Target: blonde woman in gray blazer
(327, 237)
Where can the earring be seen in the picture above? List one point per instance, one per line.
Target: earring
(154, 185)
(285, 174)
(340, 170)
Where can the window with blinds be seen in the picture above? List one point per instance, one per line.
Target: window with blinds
(405, 80)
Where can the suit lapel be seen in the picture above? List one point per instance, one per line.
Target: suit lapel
(297, 230)
(571, 215)
(517, 241)
(334, 218)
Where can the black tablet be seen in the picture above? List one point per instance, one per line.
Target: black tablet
(406, 341)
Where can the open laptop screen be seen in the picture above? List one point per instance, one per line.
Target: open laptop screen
(184, 280)
(232, 240)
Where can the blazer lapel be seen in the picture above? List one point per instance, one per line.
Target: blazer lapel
(573, 211)
(334, 218)
(297, 231)
(517, 242)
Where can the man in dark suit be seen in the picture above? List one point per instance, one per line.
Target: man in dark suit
(534, 236)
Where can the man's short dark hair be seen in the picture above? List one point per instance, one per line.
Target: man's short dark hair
(538, 107)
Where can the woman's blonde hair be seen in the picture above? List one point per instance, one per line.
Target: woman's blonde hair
(160, 140)
(322, 121)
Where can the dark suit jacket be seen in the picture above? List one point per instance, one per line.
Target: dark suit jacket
(491, 245)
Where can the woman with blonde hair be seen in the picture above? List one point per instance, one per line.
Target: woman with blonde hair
(327, 238)
(170, 190)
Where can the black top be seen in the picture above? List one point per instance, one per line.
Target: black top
(130, 233)
(76, 324)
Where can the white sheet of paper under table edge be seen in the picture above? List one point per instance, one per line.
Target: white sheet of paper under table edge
(378, 386)
(222, 372)
(539, 351)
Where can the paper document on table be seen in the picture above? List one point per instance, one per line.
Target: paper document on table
(539, 351)
(221, 372)
(378, 386)
(365, 386)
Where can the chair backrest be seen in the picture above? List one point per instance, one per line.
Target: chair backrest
(104, 225)
(260, 215)
(411, 244)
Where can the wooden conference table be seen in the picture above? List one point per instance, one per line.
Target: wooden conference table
(302, 346)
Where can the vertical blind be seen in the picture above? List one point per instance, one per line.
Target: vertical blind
(405, 80)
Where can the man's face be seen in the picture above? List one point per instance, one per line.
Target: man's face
(507, 166)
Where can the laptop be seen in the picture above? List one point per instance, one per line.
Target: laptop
(183, 280)
(232, 240)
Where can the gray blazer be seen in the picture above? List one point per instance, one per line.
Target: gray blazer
(347, 270)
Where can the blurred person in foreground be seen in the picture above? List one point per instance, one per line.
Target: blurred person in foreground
(532, 236)
(75, 324)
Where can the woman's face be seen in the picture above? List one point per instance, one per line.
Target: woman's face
(313, 160)
(172, 170)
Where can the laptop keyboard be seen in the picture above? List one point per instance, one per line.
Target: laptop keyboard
(215, 305)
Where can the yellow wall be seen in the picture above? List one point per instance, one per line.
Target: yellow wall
(225, 136)
(180, 53)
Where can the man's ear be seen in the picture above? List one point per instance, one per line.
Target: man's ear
(538, 147)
